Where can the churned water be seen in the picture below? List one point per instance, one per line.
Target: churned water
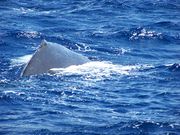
(132, 85)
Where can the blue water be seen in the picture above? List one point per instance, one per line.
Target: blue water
(132, 85)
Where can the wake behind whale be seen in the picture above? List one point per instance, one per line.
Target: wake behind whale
(52, 55)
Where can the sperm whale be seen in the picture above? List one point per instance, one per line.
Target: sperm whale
(51, 55)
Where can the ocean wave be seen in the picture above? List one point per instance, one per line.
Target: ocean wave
(147, 126)
(143, 33)
(133, 127)
(167, 24)
(11, 97)
(137, 34)
(156, 4)
(174, 67)
(148, 34)
(124, 5)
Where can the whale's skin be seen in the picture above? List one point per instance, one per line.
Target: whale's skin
(52, 55)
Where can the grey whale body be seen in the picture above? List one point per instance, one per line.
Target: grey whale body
(52, 55)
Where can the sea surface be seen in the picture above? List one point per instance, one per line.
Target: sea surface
(132, 85)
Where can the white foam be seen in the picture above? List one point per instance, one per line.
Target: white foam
(96, 70)
(20, 60)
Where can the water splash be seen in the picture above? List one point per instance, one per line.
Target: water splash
(96, 71)
(20, 60)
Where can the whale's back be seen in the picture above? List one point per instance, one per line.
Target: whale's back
(51, 55)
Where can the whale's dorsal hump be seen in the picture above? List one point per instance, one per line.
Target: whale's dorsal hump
(52, 55)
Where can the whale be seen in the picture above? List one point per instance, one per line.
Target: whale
(51, 55)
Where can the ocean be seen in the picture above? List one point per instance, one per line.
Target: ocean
(131, 86)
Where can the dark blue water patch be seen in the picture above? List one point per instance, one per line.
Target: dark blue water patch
(75, 132)
(121, 128)
(156, 5)
(164, 73)
(117, 4)
(175, 67)
(140, 127)
(167, 24)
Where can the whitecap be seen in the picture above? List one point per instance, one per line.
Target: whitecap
(3, 81)
(23, 10)
(47, 12)
(83, 47)
(13, 92)
(144, 33)
(120, 51)
(9, 91)
(29, 34)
